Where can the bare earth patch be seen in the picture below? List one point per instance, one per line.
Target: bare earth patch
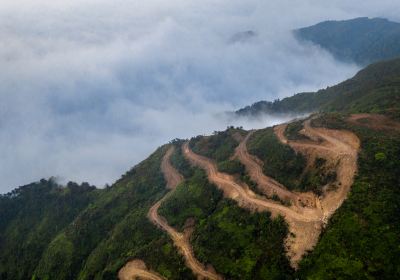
(340, 149)
(374, 121)
(136, 269)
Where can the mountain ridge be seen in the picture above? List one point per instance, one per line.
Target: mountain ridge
(361, 40)
(377, 82)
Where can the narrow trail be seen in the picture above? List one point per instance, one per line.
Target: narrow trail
(306, 223)
(268, 185)
(181, 240)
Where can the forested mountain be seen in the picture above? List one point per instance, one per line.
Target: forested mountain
(360, 40)
(317, 198)
(31, 217)
(373, 89)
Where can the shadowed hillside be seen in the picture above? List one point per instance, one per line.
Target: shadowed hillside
(360, 40)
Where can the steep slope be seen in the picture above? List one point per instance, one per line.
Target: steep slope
(305, 219)
(181, 240)
(31, 216)
(374, 89)
(362, 238)
(114, 229)
(238, 243)
(360, 40)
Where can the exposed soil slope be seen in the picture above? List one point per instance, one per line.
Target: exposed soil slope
(268, 185)
(136, 269)
(374, 121)
(340, 147)
(181, 240)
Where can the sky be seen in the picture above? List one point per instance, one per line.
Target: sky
(89, 88)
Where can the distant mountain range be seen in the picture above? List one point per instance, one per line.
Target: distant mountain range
(361, 40)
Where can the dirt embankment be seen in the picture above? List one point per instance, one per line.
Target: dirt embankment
(374, 121)
(181, 240)
(340, 147)
(136, 269)
(268, 185)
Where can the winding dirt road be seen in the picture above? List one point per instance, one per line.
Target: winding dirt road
(340, 147)
(268, 185)
(181, 240)
(305, 224)
(241, 192)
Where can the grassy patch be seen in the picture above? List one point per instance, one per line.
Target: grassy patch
(293, 129)
(220, 146)
(195, 198)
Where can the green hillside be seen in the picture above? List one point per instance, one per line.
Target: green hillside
(360, 40)
(32, 216)
(374, 89)
(83, 233)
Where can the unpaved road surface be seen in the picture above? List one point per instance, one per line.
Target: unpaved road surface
(136, 269)
(242, 194)
(305, 224)
(269, 186)
(340, 147)
(181, 240)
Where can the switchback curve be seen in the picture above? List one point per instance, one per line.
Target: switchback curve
(181, 241)
(341, 147)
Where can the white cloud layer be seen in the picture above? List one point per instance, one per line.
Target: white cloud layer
(89, 88)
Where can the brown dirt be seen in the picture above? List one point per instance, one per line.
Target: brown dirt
(339, 147)
(374, 121)
(171, 175)
(136, 269)
(266, 184)
(181, 240)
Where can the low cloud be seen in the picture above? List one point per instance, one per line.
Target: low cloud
(90, 88)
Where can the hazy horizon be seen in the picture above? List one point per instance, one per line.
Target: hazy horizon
(90, 88)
